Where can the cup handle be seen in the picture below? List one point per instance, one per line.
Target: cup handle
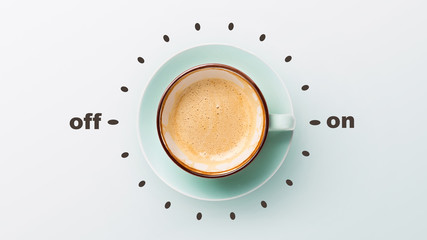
(281, 122)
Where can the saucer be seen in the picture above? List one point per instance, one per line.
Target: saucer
(263, 166)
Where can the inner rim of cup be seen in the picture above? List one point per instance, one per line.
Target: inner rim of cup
(162, 118)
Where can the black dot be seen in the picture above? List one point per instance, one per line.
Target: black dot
(289, 182)
(263, 204)
(141, 184)
(288, 59)
(124, 89)
(230, 26)
(305, 87)
(305, 153)
(166, 38)
(199, 216)
(141, 60)
(232, 215)
(197, 26)
(314, 122)
(167, 204)
(125, 155)
(113, 122)
(262, 37)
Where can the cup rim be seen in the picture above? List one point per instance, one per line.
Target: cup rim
(247, 161)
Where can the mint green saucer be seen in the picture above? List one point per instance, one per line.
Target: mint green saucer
(265, 164)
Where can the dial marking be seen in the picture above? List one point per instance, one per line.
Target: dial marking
(113, 122)
(124, 89)
(263, 204)
(314, 122)
(230, 26)
(166, 38)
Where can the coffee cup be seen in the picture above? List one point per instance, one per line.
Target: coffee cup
(213, 120)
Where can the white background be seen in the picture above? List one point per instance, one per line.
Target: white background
(63, 59)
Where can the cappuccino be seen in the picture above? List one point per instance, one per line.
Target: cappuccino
(215, 122)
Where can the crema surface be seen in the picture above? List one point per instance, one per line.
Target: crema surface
(216, 123)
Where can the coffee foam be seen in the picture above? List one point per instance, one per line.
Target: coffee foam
(213, 124)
